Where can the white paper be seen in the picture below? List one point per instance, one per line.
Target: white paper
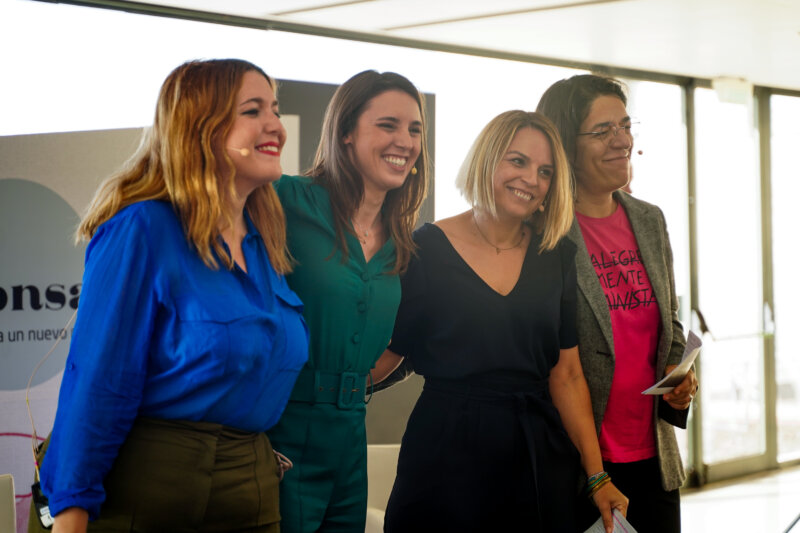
(674, 378)
(620, 525)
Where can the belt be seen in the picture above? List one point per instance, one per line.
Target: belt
(344, 389)
(535, 413)
(491, 390)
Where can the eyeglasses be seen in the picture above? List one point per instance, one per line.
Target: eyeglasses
(606, 133)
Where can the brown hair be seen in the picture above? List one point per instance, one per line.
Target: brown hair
(334, 169)
(567, 103)
(475, 178)
(176, 162)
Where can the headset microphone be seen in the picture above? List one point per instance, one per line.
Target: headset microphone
(244, 152)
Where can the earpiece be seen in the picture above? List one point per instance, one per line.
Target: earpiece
(244, 152)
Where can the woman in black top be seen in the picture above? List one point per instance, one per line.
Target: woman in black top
(487, 316)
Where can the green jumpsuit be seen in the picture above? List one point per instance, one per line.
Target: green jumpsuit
(350, 307)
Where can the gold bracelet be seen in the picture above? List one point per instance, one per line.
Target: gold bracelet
(598, 486)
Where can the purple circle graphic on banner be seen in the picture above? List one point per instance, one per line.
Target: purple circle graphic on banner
(40, 281)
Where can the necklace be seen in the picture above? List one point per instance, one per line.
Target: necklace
(361, 230)
(497, 248)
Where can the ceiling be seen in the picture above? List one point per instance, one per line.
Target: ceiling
(757, 40)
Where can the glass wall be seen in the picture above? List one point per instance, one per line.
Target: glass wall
(785, 140)
(729, 279)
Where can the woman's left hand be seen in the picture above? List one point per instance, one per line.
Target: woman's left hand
(607, 499)
(681, 396)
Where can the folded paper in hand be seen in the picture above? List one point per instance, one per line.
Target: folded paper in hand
(620, 525)
(674, 378)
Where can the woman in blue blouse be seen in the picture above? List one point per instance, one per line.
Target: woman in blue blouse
(188, 340)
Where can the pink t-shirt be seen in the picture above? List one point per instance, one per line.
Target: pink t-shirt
(627, 431)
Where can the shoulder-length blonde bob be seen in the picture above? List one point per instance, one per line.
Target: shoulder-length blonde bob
(335, 170)
(176, 162)
(475, 178)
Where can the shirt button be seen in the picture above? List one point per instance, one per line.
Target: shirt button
(365, 276)
(356, 338)
(362, 307)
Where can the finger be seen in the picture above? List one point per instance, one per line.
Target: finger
(680, 406)
(686, 385)
(608, 519)
(681, 396)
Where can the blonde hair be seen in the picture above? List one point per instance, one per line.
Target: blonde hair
(334, 169)
(475, 177)
(176, 162)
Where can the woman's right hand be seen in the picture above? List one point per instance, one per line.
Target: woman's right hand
(607, 499)
(71, 520)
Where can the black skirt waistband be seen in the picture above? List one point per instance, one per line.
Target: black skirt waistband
(490, 388)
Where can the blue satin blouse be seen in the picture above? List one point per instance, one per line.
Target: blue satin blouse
(161, 335)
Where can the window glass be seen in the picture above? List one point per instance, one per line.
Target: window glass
(729, 279)
(785, 190)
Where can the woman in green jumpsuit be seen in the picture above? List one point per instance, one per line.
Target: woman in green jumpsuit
(349, 226)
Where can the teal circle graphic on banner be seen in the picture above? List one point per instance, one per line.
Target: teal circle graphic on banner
(40, 281)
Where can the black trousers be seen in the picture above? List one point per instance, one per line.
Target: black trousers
(651, 509)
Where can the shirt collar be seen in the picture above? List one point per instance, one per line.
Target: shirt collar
(252, 231)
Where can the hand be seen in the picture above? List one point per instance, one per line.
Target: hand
(681, 396)
(607, 499)
(71, 520)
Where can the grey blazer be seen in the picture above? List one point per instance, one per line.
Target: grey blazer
(596, 340)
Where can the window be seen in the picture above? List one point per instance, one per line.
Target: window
(729, 279)
(785, 191)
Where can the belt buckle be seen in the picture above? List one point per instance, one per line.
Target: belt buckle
(346, 398)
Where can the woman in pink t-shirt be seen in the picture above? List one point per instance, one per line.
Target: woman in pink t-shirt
(629, 334)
